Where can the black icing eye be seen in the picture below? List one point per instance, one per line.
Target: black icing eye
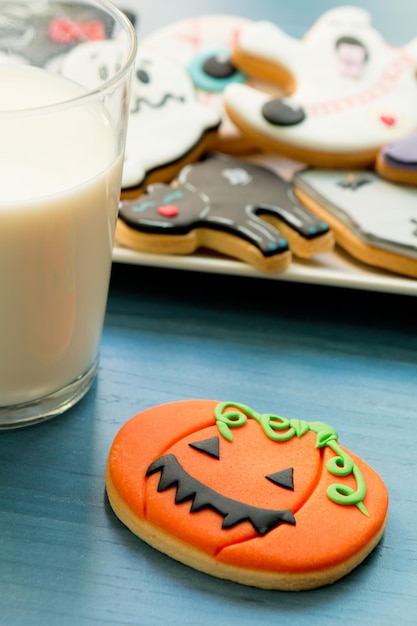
(279, 113)
(143, 76)
(208, 446)
(283, 478)
(103, 72)
(219, 66)
(213, 70)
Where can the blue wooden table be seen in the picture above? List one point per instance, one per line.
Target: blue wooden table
(341, 356)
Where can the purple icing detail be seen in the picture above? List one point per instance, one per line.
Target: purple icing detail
(402, 153)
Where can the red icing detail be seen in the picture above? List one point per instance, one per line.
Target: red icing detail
(388, 120)
(234, 39)
(169, 210)
(62, 31)
(193, 37)
(388, 83)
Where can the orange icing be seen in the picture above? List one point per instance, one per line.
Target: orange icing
(325, 533)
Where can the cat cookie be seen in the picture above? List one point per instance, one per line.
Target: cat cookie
(203, 46)
(254, 498)
(398, 160)
(372, 219)
(228, 205)
(348, 92)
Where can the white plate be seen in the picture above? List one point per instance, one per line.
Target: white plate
(335, 269)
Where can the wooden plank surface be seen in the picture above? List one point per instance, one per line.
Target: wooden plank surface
(345, 357)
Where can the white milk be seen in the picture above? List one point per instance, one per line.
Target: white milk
(59, 190)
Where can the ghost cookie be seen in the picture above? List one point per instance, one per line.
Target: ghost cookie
(254, 498)
(203, 46)
(398, 160)
(348, 92)
(372, 219)
(91, 63)
(168, 126)
(227, 205)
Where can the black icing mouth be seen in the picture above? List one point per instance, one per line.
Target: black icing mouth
(202, 497)
(156, 105)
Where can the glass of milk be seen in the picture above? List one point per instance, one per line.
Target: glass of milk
(65, 72)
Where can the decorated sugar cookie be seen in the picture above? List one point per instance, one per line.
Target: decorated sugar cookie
(168, 126)
(227, 205)
(91, 63)
(348, 91)
(203, 45)
(372, 219)
(398, 160)
(254, 498)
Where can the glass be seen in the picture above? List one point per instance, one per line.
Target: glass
(65, 73)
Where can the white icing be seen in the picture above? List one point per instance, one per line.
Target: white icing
(267, 41)
(91, 63)
(237, 176)
(349, 132)
(348, 109)
(381, 213)
(11, 59)
(185, 39)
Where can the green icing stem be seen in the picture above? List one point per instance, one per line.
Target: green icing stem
(233, 415)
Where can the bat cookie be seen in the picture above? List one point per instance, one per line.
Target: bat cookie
(203, 46)
(227, 205)
(254, 498)
(348, 92)
(398, 161)
(372, 219)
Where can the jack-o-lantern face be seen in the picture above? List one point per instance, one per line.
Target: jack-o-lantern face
(203, 497)
(250, 491)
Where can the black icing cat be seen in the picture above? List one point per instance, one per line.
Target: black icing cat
(227, 194)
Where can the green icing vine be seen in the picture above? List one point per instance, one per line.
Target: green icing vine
(233, 415)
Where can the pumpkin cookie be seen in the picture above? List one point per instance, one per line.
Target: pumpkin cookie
(256, 499)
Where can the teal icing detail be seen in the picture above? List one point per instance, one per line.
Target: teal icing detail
(175, 195)
(212, 84)
(231, 415)
(147, 204)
